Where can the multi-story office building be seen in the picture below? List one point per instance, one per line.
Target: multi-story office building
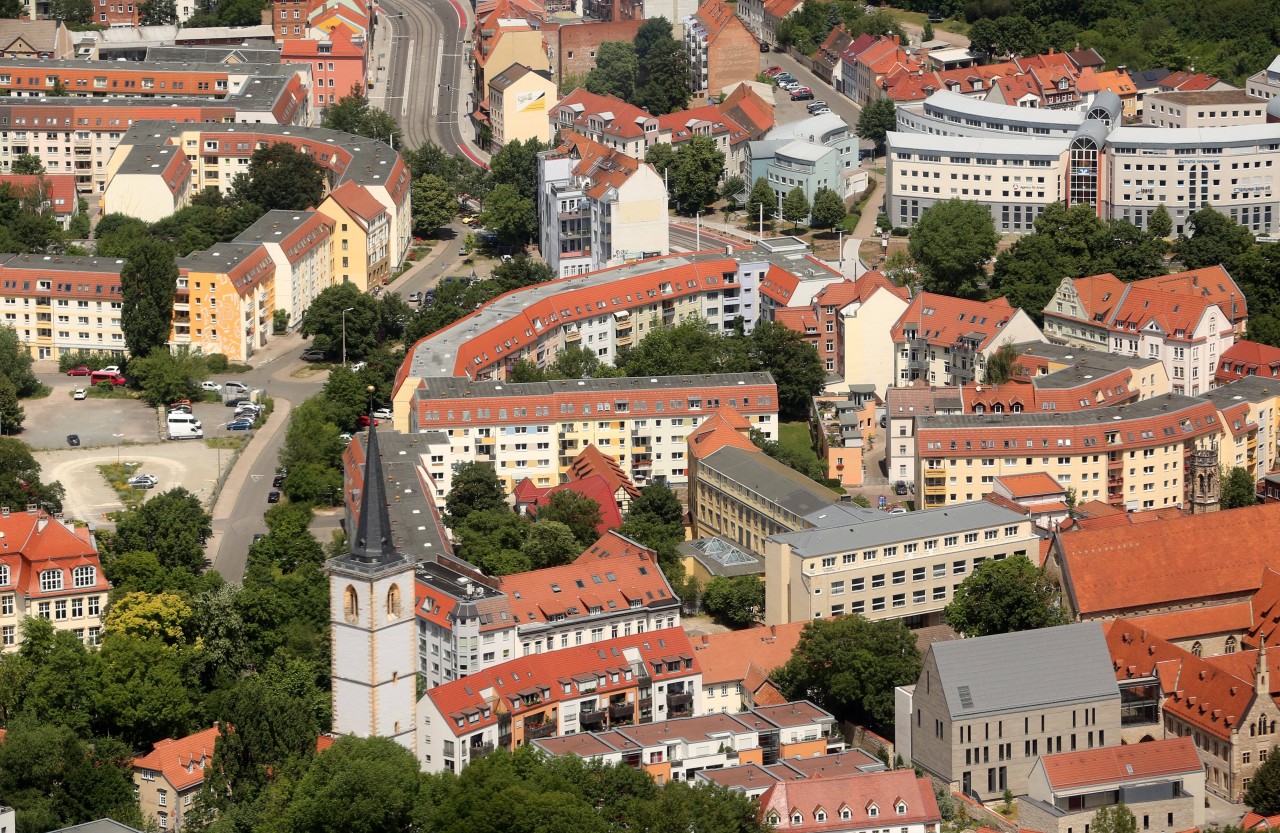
(889, 566)
(984, 710)
(809, 154)
(947, 341)
(600, 208)
(49, 569)
(952, 146)
(219, 152)
(1188, 320)
(1144, 455)
(60, 303)
(639, 679)
(1204, 108)
(536, 429)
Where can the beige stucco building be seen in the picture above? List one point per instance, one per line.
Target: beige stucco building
(167, 779)
(519, 100)
(1204, 108)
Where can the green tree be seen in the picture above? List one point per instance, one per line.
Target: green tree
(662, 156)
(158, 12)
(984, 34)
(762, 203)
(795, 206)
(1000, 365)
(571, 81)
(509, 215)
(578, 512)
(148, 283)
(162, 616)
(12, 415)
(616, 70)
(1239, 489)
(1215, 238)
(850, 667)
(1005, 596)
(144, 691)
(828, 209)
(281, 176)
(517, 165)
(12, 9)
(72, 12)
(324, 322)
(173, 525)
(926, 34)
(951, 244)
(1160, 224)
(695, 174)
(663, 84)
(1263, 792)
(20, 481)
(359, 785)
(433, 203)
(16, 363)
(794, 364)
(493, 540)
(876, 121)
(651, 33)
(550, 544)
(1115, 819)
(659, 502)
(737, 602)
(475, 489)
(166, 376)
(27, 164)
(354, 114)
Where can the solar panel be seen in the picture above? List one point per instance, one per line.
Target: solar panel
(966, 699)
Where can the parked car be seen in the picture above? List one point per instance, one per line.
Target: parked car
(240, 425)
(99, 376)
(247, 410)
(111, 368)
(73, 440)
(312, 355)
(356, 367)
(382, 413)
(764, 47)
(79, 371)
(273, 496)
(823, 112)
(898, 510)
(363, 421)
(345, 437)
(213, 386)
(815, 105)
(415, 297)
(278, 481)
(143, 481)
(900, 488)
(240, 386)
(80, 393)
(180, 409)
(236, 401)
(773, 71)
(801, 95)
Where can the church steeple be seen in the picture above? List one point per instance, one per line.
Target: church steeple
(372, 543)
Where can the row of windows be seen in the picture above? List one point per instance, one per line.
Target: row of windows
(51, 580)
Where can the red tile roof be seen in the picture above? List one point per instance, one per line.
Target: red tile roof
(624, 120)
(1036, 484)
(1248, 358)
(1115, 765)
(593, 487)
(60, 188)
(858, 793)
(727, 657)
(1180, 558)
(181, 761)
(1178, 625)
(32, 543)
(1254, 821)
(1264, 613)
(356, 200)
(1199, 692)
(748, 109)
(683, 125)
(726, 427)
(942, 320)
(605, 167)
(615, 573)
(499, 687)
(592, 461)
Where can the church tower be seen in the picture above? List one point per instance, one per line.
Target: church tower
(1203, 480)
(372, 622)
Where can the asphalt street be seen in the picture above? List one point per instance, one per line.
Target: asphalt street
(426, 87)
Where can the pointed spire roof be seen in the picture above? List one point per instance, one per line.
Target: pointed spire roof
(372, 543)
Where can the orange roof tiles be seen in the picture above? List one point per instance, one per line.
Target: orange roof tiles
(1177, 559)
(181, 761)
(604, 166)
(35, 543)
(748, 109)
(60, 189)
(1199, 692)
(625, 120)
(858, 793)
(614, 573)
(356, 200)
(1201, 621)
(1115, 765)
(1248, 358)
(728, 657)
(592, 461)
(1264, 614)
(1254, 821)
(593, 487)
(943, 320)
(1036, 484)
(726, 427)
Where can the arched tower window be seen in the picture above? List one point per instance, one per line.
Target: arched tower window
(1197, 648)
(1231, 645)
(350, 604)
(393, 602)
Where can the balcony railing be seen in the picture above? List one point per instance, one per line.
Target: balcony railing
(478, 752)
(591, 716)
(679, 703)
(621, 711)
(544, 730)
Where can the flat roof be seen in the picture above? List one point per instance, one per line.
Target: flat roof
(1196, 137)
(458, 387)
(885, 528)
(1003, 147)
(981, 108)
(1196, 97)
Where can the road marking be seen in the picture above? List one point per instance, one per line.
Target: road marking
(408, 76)
(435, 99)
(257, 477)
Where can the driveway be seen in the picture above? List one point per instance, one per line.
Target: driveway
(190, 463)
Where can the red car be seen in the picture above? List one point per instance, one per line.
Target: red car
(773, 70)
(79, 371)
(99, 376)
(363, 422)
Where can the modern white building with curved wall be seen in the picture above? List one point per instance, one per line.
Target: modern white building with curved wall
(1016, 160)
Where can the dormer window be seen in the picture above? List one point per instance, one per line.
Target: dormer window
(796, 818)
(873, 810)
(774, 818)
(821, 815)
(845, 813)
(902, 808)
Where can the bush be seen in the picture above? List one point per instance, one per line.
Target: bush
(216, 362)
(899, 231)
(92, 359)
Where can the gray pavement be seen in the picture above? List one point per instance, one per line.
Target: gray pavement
(96, 421)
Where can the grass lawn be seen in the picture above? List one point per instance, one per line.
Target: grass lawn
(918, 19)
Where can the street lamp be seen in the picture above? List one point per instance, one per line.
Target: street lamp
(344, 335)
(118, 437)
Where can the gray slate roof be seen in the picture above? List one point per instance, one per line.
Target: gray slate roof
(1027, 670)
(875, 528)
(765, 476)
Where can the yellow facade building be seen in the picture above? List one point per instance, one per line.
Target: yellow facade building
(225, 300)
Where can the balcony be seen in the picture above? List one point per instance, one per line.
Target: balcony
(542, 730)
(477, 752)
(623, 339)
(572, 335)
(619, 712)
(592, 717)
(680, 703)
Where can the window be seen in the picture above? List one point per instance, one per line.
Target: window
(350, 604)
(51, 580)
(162, 798)
(84, 576)
(4, 574)
(393, 602)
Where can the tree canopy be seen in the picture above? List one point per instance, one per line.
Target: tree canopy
(354, 114)
(951, 244)
(281, 176)
(737, 602)
(1263, 793)
(876, 121)
(1004, 596)
(1238, 489)
(148, 283)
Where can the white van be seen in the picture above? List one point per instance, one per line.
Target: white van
(183, 426)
